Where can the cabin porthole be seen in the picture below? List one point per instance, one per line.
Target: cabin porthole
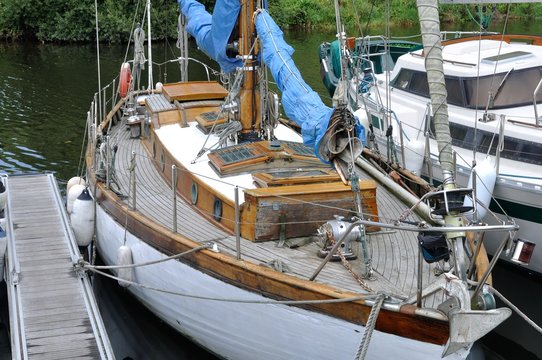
(162, 161)
(194, 193)
(217, 210)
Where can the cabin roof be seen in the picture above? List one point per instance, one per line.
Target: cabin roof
(460, 58)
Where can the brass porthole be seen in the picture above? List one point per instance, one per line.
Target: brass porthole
(194, 193)
(162, 161)
(217, 210)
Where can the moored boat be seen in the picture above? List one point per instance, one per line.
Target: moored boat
(493, 83)
(259, 242)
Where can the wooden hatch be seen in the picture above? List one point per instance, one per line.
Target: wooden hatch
(263, 156)
(298, 210)
(194, 90)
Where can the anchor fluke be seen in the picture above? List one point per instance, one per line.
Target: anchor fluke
(468, 326)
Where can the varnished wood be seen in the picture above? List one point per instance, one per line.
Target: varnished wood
(194, 90)
(526, 39)
(274, 179)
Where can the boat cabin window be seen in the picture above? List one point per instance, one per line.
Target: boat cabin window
(486, 142)
(416, 82)
(507, 89)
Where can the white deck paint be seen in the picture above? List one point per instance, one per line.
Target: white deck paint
(185, 143)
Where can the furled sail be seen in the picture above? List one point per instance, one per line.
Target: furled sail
(329, 131)
(213, 31)
(321, 126)
(301, 103)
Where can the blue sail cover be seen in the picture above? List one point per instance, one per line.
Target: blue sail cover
(213, 31)
(300, 102)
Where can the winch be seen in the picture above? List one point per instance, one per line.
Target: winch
(332, 231)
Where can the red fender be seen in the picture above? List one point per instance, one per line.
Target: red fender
(125, 79)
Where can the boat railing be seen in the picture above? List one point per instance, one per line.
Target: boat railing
(380, 111)
(105, 98)
(537, 121)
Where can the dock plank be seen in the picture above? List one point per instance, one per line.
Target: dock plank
(55, 322)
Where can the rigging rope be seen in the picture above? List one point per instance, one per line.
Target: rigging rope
(507, 302)
(369, 327)
(516, 309)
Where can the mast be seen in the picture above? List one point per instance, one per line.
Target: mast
(451, 199)
(432, 49)
(149, 43)
(250, 111)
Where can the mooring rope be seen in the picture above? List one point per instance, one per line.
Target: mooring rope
(369, 327)
(86, 265)
(516, 309)
(513, 307)
(231, 300)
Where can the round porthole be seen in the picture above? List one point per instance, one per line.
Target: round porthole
(217, 210)
(194, 193)
(162, 161)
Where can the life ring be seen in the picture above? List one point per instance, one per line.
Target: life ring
(125, 79)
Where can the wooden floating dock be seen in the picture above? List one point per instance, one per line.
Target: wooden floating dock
(52, 309)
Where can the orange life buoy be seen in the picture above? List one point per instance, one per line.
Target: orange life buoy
(125, 79)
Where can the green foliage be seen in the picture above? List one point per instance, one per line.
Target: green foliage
(73, 20)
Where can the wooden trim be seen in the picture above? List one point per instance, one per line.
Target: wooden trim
(528, 39)
(194, 90)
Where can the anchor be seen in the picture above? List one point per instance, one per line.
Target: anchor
(466, 325)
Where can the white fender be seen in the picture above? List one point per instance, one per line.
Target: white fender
(76, 180)
(82, 218)
(486, 176)
(414, 156)
(3, 196)
(124, 257)
(361, 115)
(159, 86)
(75, 191)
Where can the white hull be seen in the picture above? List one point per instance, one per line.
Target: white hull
(240, 330)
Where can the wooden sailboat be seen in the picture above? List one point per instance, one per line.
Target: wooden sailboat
(226, 224)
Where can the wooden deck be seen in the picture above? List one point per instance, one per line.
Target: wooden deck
(53, 313)
(394, 253)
